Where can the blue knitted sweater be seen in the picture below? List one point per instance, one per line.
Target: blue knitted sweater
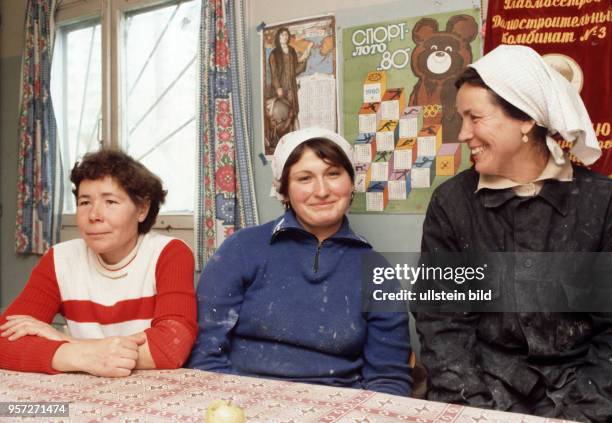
(274, 303)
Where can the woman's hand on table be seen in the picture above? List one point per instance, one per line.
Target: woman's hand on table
(18, 326)
(109, 357)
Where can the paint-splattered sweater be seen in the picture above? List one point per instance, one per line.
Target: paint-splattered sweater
(274, 303)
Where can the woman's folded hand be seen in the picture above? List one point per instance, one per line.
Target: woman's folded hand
(18, 326)
(108, 357)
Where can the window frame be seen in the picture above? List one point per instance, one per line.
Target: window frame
(111, 14)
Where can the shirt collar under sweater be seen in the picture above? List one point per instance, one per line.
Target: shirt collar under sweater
(288, 222)
(563, 173)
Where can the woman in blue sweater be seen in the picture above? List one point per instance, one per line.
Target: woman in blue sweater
(283, 300)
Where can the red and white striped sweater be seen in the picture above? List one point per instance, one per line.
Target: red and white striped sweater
(151, 290)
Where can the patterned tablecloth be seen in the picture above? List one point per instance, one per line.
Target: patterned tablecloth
(183, 395)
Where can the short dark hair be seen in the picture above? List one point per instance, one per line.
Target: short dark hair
(138, 182)
(471, 77)
(326, 150)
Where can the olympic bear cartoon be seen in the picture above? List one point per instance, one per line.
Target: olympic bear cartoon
(437, 59)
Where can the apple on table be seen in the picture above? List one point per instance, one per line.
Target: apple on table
(221, 411)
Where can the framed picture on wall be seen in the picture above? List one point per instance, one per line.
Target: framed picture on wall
(298, 77)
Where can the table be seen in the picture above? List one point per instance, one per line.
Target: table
(182, 396)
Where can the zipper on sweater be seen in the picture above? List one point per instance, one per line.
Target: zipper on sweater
(316, 259)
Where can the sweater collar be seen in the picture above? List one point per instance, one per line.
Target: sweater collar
(289, 223)
(117, 270)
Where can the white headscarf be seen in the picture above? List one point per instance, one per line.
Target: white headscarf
(290, 141)
(521, 77)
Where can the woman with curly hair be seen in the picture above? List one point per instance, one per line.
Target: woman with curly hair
(126, 293)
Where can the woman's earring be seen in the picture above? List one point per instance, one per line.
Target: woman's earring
(525, 138)
(352, 197)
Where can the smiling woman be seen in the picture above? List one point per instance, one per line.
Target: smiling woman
(522, 195)
(317, 181)
(126, 293)
(293, 310)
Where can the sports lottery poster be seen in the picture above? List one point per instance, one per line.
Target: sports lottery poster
(399, 106)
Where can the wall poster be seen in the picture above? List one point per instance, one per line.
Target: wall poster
(298, 77)
(399, 106)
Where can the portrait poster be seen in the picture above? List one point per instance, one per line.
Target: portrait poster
(298, 77)
(574, 37)
(399, 110)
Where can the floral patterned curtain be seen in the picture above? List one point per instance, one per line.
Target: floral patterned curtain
(39, 172)
(226, 193)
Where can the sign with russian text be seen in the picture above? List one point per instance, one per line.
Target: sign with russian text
(573, 36)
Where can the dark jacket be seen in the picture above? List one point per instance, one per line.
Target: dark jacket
(273, 302)
(550, 364)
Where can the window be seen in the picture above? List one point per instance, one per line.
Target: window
(77, 94)
(125, 74)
